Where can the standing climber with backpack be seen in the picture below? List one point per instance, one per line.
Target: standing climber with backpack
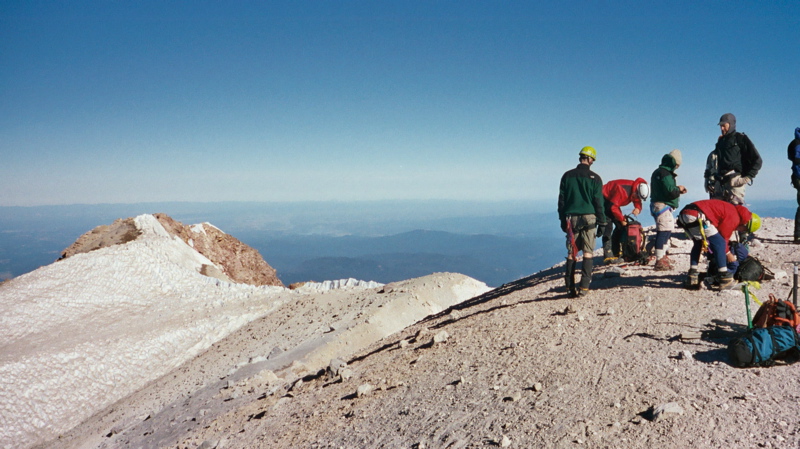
(616, 195)
(710, 224)
(664, 200)
(794, 156)
(580, 210)
(732, 165)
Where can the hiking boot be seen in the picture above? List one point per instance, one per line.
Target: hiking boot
(583, 292)
(692, 281)
(727, 282)
(664, 264)
(612, 260)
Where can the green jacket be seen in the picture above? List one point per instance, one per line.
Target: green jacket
(663, 188)
(581, 193)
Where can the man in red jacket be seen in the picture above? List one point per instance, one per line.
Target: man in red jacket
(617, 194)
(710, 223)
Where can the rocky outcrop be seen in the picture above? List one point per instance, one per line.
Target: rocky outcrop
(240, 262)
(117, 233)
(233, 260)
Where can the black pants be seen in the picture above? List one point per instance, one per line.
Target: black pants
(612, 235)
(797, 218)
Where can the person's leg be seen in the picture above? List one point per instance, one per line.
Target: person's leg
(663, 263)
(607, 232)
(569, 275)
(616, 239)
(797, 220)
(717, 245)
(662, 240)
(693, 278)
(665, 223)
(588, 235)
(694, 255)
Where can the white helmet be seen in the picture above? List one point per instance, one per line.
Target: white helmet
(643, 190)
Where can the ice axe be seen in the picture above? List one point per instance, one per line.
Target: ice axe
(746, 289)
(573, 252)
(747, 305)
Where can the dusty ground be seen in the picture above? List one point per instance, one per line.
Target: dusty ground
(514, 370)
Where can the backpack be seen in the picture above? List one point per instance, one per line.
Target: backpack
(633, 246)
(776, 313)
(749, 154)
(750, 269)
(763, 345)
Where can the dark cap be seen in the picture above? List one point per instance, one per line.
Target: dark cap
(727, 118)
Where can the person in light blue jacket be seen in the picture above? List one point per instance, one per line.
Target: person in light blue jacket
(794, 156)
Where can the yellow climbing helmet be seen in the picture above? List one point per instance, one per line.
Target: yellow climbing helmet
(754, 224)
(588, 151)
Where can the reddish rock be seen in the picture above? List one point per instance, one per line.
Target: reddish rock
(240, 262)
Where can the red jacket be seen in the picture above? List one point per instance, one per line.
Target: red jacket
(620, 193)
(724, 216)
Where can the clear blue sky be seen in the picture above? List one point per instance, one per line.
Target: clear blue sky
(140, 101)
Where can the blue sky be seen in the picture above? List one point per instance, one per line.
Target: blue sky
(119, 102)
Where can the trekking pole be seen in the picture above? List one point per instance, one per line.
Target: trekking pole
(794, 287)
(747, 305)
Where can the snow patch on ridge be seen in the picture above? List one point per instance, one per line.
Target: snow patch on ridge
(80, 334)
(324, 286)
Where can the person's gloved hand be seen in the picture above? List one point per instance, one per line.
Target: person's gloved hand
(601, 228)
(564, 225)
(710, 185)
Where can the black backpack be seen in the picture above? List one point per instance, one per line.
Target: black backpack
(751, 269)
(750, 157)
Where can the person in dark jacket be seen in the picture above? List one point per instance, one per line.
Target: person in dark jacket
(794, 156)
(664, 200)
(732, 165)
(580, 210)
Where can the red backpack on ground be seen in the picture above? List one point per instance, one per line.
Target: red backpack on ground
(633, 246)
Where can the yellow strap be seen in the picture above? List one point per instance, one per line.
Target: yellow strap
(757, 286)
(702, 233)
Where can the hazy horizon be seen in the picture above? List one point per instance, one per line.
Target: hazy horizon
(492, 241)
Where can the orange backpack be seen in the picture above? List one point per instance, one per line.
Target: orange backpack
(776, 312)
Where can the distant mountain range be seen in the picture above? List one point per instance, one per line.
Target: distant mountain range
(492, 259)
(380, 241)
